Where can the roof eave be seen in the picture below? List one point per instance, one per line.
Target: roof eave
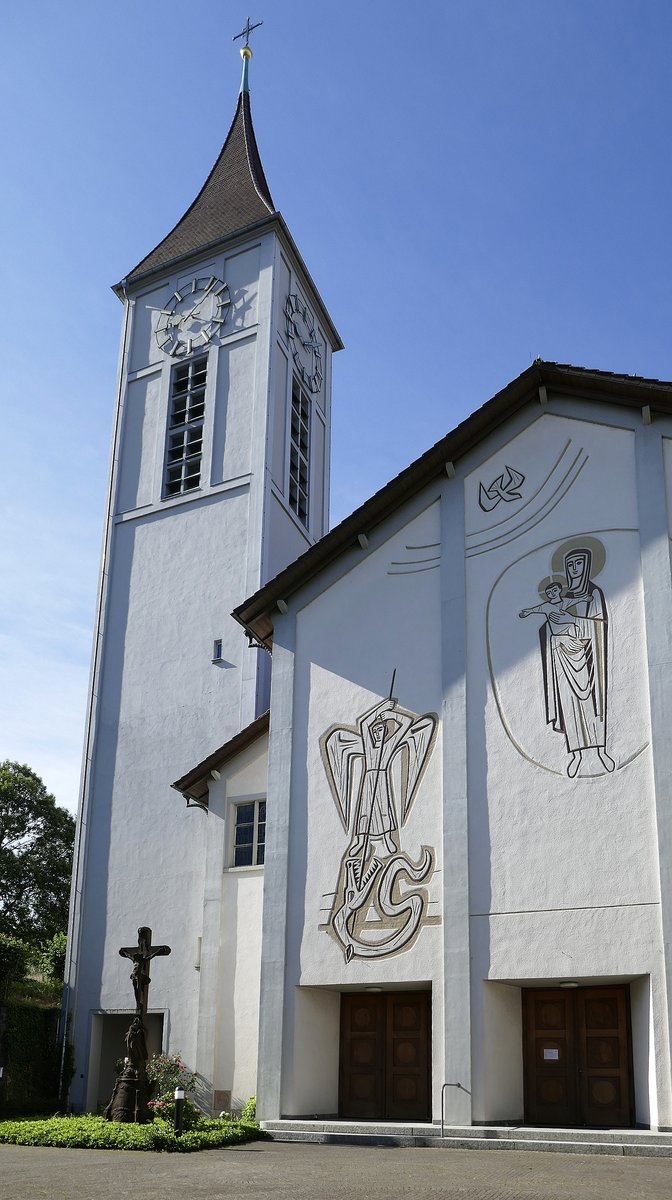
(256, 613)
(273, 221)
(140, 281)
(194, 784)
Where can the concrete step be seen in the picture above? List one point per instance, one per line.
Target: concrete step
(638, 1142)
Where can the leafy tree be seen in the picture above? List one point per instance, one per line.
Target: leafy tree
(50, 961)
(36, 845)
(14, 957)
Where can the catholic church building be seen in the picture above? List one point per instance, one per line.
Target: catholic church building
(426, 851)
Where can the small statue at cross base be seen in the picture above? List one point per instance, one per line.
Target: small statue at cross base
(133, 1090)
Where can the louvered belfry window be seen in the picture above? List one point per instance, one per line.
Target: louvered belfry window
(299, 452)
(185, 427)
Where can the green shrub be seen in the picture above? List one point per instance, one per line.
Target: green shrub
(167, 1072)
(248, 1112)
(96, 1133)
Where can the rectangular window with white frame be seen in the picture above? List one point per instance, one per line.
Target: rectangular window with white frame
(249, 837)
(299, 452)
(186, 414)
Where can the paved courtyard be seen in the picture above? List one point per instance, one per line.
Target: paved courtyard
(275, 1171)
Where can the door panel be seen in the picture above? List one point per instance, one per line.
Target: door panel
(577, 1057)
(362, 1054)
(385, 1056)
(603, 1029)
(550, 1053)
(407, 1057)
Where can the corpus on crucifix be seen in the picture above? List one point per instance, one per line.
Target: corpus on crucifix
(141, 956)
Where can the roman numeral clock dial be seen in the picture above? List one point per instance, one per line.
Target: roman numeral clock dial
(195, 313)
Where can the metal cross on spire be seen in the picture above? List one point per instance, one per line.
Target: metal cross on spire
(246, 32)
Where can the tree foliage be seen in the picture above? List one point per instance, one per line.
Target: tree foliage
(36, 845)
(14, 956)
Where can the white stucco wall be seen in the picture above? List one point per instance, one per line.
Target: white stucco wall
(228, 1021)
(173, 570)
(561, 873)
(350, 639)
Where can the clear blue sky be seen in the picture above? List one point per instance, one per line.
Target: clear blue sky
(472, 183)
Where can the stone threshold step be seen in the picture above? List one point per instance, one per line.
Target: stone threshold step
(489, 1132)
(637, 1147)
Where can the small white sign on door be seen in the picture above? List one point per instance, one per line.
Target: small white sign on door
(551, 1055)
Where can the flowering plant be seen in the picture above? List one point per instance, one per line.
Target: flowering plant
(167, 1072)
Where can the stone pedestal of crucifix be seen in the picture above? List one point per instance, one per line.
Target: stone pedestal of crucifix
(132, 1091)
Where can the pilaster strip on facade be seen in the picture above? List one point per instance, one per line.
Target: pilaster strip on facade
(657, 583)
(215, 851)
(457, 1031)
(276, 874)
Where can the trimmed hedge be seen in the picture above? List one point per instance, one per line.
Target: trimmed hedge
(96, 1133)
(30, 1054)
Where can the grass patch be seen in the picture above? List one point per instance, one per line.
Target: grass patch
(96, 1133)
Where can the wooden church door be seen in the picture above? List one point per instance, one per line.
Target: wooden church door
(385, 1063)
(578, 1057)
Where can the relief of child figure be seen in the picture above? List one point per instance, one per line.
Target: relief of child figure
(556, 611)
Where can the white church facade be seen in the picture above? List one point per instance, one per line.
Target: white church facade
(439, 870)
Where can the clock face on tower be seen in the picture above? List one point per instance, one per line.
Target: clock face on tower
(194, 314)
(303, 339)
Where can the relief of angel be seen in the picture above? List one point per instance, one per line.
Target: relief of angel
(374, 771)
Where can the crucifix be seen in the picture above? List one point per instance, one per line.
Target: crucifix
(141, 956)
(246, 31)
(132, 1090)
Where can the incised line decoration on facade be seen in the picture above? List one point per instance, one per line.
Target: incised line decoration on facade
(482, 543)
(374, 771)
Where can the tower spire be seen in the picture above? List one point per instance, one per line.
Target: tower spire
(234, 196)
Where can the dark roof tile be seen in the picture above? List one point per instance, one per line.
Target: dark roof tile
(256, 613)
(194, 783)
(234, 196)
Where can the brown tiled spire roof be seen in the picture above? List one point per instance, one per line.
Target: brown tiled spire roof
(234, 196)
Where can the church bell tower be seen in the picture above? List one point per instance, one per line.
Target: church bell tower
(219, 479)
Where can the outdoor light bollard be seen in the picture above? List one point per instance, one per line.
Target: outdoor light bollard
(179, 1111)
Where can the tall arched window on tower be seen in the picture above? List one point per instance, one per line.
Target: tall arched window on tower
(184, 443)
(299, 452)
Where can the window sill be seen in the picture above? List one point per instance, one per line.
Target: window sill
(259, 869)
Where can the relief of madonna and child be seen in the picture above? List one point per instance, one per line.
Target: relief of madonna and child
(574, 641)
